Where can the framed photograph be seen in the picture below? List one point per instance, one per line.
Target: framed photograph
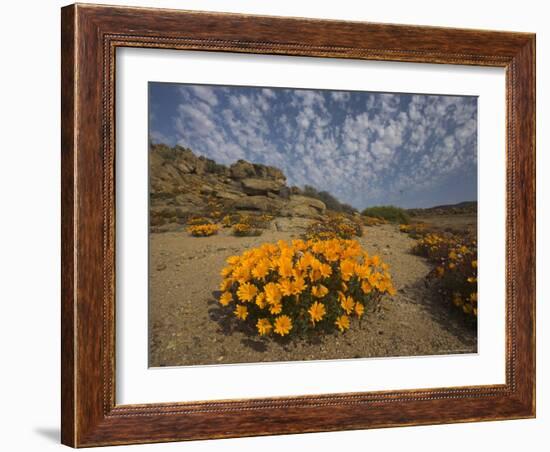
(280, 225)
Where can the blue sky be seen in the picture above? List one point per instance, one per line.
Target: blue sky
(365, 148)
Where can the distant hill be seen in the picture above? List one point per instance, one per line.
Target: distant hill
(466, 207)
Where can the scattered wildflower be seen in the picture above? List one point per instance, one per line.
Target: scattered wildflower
(298, 285)
(317, 312)
(260, 300)
(226, 298)
(347, 304)
(247, 292)
(272, 293)
(241, 312)
(319, 291)
(203, 230)
(261, 270)
(342, 323)
(264, 327)
(283, 325)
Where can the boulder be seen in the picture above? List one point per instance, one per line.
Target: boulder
(188, 198)
(304, 206)
(255, 186)
(242, 169)
(199, 167)
(159, 215)
(228, 195)
(206, 190)
(163, 211)
(307, 201)
(285, 192)
(275, 173)
(184, 167)
(295, 224)
(257, 203)
(185, 211)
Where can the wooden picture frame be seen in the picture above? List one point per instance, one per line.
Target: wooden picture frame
(90, 36)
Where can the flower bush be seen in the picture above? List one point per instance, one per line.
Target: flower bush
(231, 219)
(415, 230)
(203, 230)
(455, 266)
(245, 230)
(247, 224)
(334, 226)
(301, 287)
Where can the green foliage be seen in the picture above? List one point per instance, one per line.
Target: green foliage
(390, 213)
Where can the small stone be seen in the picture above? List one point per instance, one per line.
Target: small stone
(161, 267)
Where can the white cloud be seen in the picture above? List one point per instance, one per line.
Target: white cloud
(206, 94)
(268, 93)
(390, 146)
(340, 96)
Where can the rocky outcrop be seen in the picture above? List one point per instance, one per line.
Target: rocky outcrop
(242, 169)
(290, 224)
(302, 206)
(257, 186)
(183, 184)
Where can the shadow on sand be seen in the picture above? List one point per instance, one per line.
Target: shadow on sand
(228, 325)
(425, 294)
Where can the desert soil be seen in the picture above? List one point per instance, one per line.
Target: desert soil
(187, 326)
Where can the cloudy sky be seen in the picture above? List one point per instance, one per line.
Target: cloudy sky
(365, 148)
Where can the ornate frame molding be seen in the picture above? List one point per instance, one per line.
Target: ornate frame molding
(90, 37)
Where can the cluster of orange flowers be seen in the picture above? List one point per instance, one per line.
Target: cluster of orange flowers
(294, 288)
(415, 230)
(246, 225)
(455, 260)
(242, 225)
(203, 230)
(335, 226)
(245, 229)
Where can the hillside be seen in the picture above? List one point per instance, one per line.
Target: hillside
(183, 184)
(466, 207)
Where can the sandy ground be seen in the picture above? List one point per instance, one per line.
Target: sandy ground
(188, 327)
(451, 223)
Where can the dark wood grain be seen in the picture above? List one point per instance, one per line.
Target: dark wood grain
(90, 36)
(67, 226)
